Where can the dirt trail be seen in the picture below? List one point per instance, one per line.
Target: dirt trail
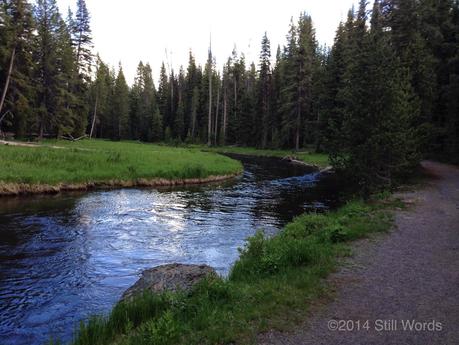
(411, 274)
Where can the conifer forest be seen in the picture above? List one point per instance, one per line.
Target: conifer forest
(384, 95)
(298, 196)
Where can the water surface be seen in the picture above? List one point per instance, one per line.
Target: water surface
(65, 257)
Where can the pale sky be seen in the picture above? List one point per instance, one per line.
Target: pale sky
(134, 30)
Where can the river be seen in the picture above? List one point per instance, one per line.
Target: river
(68, 256)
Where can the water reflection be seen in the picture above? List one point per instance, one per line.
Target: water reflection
(65, 257)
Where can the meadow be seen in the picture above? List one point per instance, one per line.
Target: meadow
(98, 161)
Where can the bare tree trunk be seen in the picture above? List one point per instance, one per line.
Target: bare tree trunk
(172, 92)
(42, 128)
(209, 130)
(193, 123)
(216, 115)
(297, 134)
(264, 141)
(8, 79)
(225, 114)
(235, 98)
(94, 117)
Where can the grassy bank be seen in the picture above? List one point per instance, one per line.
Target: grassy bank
(319, 159)
(102, 162)
(270, 286)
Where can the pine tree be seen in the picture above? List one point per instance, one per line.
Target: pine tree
(376, 147)
(82, 42)
(276, 106)
(147, 104)
(250, 133)
(120, 108)
(134, 103)
(404, 19)
(265, 90)
(288, 92)
(51, 88)
(307, 65)
(440, 31)
(192, 81)
(164, 96)
(16, 73)
(157, 125)
(101, 90)
(209, 74)
(64, 121)
(82, 39)
(194, 113)
(179, 121)
(337, 74)
(451, 90)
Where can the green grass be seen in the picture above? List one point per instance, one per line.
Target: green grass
(99, 161)
(319, 159)
(272, 285)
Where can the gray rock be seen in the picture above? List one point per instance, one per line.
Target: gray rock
(172, 277)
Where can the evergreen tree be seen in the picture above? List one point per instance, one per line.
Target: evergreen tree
(164, 96)
(82, 42)
(288, 92)
(276, 106)
(16, 73)
(376, 147)
(340, 58)
(440, 32)
(306, 67)
(101, 91)
(147, 101)
(265, 90)
(51, 88)
(403, 18)
(120, 108)
(179, 121)
(157, 125)
(65, 117)
(82, 39)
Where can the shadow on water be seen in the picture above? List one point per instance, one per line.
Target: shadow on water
(65, 257)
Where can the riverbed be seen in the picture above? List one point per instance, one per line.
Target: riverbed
(68, 256)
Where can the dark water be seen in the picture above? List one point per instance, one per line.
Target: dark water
(65, 257)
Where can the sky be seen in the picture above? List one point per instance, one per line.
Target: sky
(134, 30)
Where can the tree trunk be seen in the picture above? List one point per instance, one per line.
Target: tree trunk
(235, 99)
(216, 115)
(8, 79)
(209, 134)
(193, 123)
(264, 141)
(94, 117)
(225, 114)
(297, 134)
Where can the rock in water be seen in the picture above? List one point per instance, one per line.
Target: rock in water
(172, 277)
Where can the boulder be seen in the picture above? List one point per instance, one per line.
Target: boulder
(172, 277)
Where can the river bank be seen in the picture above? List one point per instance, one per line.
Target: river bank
(315, 160)
(55, 166)
(409, 274)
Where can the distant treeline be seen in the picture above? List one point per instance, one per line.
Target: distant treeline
(383, 96)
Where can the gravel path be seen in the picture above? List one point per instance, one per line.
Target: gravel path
(411, 274)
